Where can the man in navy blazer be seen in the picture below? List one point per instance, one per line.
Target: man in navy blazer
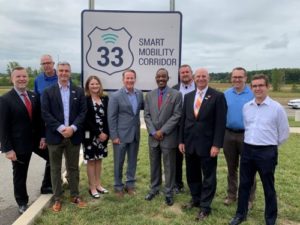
(21, 131)
(63, 110)
(201, 137)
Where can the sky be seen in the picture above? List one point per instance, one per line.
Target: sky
(216, 34)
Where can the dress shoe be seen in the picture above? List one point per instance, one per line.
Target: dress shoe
(78, 201)
(151, 195)
(22, 208)
(102, 190)
(169, 201)
(46, 190)
(130, 191)
(250, 205)
(94, 195)
(178, 190)
(191, 204)
(56, 206)
(119, 194)
(228, 201)
(236, 220)
(202, 215)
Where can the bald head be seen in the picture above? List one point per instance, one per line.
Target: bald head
(201, 78)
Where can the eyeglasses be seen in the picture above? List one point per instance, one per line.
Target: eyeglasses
(237, 78)
(258, 85)
(46, 63)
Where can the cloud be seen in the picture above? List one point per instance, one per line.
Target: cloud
(280, 43)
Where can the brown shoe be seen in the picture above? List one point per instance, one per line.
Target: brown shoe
(130, 191)
(202, 215)
(229, 201)
(250, 205)
(56, 206)
(80, 204)
(119, 194)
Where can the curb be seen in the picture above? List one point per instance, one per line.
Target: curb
(43, 201)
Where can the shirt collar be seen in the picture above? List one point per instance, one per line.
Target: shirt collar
(128, 92)
(163, 90)
(61, 87)
(203, 91)
(50, 78)
(245, 90)
(19, 92)
(184, 86)
(267, 101)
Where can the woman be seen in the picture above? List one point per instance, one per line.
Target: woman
(96, 134)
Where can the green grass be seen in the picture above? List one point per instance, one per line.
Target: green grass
(293, 123)
(135, 210)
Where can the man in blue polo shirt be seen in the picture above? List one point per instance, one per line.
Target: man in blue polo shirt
(46, 79)
(236, 97)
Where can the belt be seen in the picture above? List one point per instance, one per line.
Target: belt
(235, 130)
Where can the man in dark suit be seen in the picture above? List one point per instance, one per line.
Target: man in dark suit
(63, 110)
(162, 114)
(185, 86)
(21, 129)
(201, 137)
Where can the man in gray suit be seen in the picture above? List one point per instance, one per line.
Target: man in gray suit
(124, 125)
(162, 114)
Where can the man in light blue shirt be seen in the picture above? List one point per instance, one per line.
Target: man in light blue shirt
(236, 97)
(266, 127)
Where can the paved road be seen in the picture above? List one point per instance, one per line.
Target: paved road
(8, 206)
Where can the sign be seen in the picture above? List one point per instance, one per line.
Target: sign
(113, 41)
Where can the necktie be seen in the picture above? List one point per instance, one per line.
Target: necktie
(198, 104)
(27, 104)
(160, 99)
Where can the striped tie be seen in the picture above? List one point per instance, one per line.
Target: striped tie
(198, 104)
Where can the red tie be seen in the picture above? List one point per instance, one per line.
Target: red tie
(27, 104)
(160, 99)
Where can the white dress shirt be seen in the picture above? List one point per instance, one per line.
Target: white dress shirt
(266, 123)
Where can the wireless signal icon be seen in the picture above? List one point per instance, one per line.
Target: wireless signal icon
(110, 38)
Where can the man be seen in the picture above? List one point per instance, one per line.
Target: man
(45, 79)
(162, 114)
(21, 129)
(64, 110)
(201, 137)
(236, 97)
(266, 127)
(124, 126)
(185, 86)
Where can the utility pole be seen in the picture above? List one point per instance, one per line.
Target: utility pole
(172, 5)
(91, 4)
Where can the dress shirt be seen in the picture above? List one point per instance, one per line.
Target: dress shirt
(185, 89)
(265, 124)
(235, 102)
(132, 99)
(203, 92)
(65, 97)
(20, 95)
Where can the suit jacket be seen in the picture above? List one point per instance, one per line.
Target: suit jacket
(19, 132)
(90, 124)
(122, 122)
(165, 119)
(53, 113)
(207, 130)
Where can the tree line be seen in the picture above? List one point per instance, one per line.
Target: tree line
(277, 77)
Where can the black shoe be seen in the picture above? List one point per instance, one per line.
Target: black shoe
(22, 208)
(191, 205)
(202, 215)
(169, 201)
(151, 195)
(46, 190)
(237, 220)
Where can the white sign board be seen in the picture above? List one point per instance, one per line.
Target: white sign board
(113, 41)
